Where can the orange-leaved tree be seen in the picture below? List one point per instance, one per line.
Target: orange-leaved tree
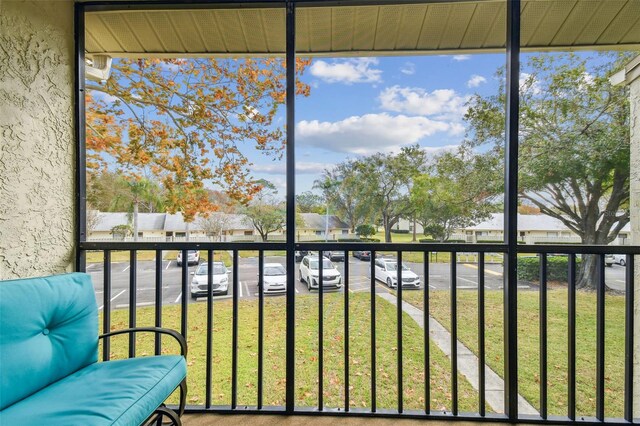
(187, 123)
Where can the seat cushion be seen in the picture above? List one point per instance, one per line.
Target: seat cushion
(48, 330)
(123, 392)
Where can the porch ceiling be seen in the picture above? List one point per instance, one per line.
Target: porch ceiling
(433, 27)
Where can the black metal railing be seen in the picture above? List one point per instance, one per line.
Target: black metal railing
(481, 250)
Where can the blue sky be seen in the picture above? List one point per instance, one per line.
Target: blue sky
(359, 106)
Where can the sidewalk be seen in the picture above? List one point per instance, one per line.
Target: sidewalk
(467, 360)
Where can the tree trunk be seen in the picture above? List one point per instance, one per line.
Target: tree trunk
(188, 233)
(135, 221)
(414, 229)
(587, 273)
(386, 223)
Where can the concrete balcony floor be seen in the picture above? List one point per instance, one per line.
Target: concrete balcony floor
(276, 420)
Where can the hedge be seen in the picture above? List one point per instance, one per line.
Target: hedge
(399, 231)
(431, 240)
(557, 268)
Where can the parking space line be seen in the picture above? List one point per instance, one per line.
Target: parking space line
(178, 298)
(240, 287)
(113, 298)
(126, 305)
(91, 265)
(621, 281)
(246, 288)
(167, 265)
(467, 280)
(125, 269)
(487, 271)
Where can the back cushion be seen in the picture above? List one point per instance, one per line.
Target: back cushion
(48, 330)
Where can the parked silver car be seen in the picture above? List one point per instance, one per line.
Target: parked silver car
(199, 283)
(310, 273)
(386, 270)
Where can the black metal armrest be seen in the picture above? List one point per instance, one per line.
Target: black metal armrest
(157, 330)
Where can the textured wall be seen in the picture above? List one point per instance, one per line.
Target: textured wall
(36, 138)
(635, 230)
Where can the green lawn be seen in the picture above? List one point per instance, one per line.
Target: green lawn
(528, 343)
(124, 256)
(306, 353)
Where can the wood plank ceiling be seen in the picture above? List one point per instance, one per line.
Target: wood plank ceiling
(436, 27)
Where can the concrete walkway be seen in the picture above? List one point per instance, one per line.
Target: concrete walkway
(467, 361)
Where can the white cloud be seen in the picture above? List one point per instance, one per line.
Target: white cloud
(348, 71)
(302, 168)
(441, 104)
(459, 58)
(170, 67)
(476, 80)
(409, 68)
(102, 96)
(370, 133)
(528, 81)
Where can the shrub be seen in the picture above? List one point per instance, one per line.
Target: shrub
(365, 230)
(399, 231)
(431, 240)
(557, 268)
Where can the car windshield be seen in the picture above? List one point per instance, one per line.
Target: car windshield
(218, 269)
(393, 266)
(270, 271)
(326, 264)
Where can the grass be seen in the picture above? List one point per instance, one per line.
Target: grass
(142, 255)
(442, 257)
(254, 253)
(528, 343)
(306, 392)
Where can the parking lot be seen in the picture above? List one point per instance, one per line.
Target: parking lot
(359, 281)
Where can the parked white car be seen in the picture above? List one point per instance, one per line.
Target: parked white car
(274, 278)
(387, 272)
(310, 273)
(193, 257)
(620, 259)
(220, 275)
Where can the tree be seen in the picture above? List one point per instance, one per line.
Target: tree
(214, 224)
(385, 183)
(264, 212)
(185, 121)
(366, 230)
(140, 190)
(342, 188)
(93, 218)
(574, 144)
(308, 202)
(453, 195)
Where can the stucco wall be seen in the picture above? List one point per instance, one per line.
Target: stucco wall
(635, 230)
(36, 138)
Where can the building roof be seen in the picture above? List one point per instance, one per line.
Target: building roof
(175, 223)
(146, 221)
(318, 221)
(434, 26)
(526, 222)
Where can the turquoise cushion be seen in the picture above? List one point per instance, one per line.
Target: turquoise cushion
(123, 392)
(48, 330)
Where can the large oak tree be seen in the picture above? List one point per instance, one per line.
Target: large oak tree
(574, 144)
(187, 122)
